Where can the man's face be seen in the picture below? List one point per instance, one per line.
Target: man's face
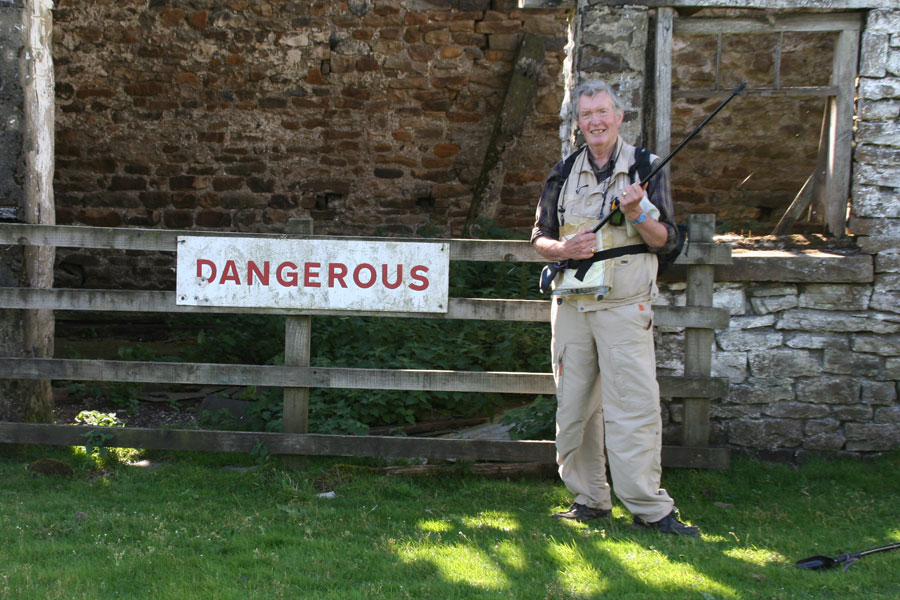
(598, 121)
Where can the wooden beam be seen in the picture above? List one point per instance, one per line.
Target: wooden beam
(517, 105)
(698, 342)
(322, 377)
(541, 452)
(297, 350)
(837, 189)
(694, 4)
(814, 183)
(768, 24)
(783, 92)
(460, 308)
(113, 238)
(662, 112)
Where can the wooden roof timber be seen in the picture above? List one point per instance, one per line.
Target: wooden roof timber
(763, 4)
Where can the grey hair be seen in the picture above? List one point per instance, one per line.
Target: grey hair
(590, 88)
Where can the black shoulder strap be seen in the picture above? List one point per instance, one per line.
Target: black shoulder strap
(641, 165)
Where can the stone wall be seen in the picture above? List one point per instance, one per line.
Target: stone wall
(813, 366)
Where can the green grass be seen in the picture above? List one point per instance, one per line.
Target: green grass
(194, 529)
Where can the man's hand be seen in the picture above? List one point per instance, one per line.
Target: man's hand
(581, 245)
(630, 201)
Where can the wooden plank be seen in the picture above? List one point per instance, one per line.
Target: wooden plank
(460, 308)
(698, 342)
(784, 92)
(539, 452)
(517, 103)
(165, 241)
(297, 350)
(285, 443)
(768, 24)
(846, 54)
(691, 4)
(344, 378)
(662, 127)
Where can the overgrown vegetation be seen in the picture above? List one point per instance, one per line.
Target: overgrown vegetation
(361, 342)
(184, 526)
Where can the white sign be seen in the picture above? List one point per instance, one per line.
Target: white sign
(313, 274)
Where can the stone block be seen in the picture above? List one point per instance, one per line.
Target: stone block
(882, 393)
(872, 201)
(741, 340)
(773, 304)
(887, 263)
(751, 322)
(871, 436)
(761, 391)
(877, 175)
(886, 292)
(818, 426)
(835, 297)
(735, 411)
(889, 415)
(873, 54)
(795, 410)
(883, 20)
(880, 133)
(730, 296)
(783, 363)
(829, 390)
(836, 322)
(732, 365)
(877, 344)
(825, 441)
(893, 62)
(849, 363)
(766, 434)
(878, 110)
(853, 413)
(892, 369)
(813, 341)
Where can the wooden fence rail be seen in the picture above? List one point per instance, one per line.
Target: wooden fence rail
(297, 376)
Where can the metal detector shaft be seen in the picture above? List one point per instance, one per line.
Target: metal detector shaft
(738, 90)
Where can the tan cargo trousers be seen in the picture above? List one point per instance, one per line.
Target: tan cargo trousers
(604, 366)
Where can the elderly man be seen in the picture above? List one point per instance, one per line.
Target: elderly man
(604, 362)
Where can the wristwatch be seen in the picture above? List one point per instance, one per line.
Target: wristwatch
(640, 219)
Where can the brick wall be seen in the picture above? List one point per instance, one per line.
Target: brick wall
(369, 116)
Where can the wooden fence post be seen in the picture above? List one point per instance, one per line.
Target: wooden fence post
(297, 333)
(698, 342)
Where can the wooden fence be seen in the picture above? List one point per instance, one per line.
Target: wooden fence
(297, 376)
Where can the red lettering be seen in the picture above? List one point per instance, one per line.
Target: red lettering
(337, 272)
(292, 277)
(311, 272)
(384, 277)
(229, 273)
(253, 269)
(414, 273)
(372, 275)
(202, 262)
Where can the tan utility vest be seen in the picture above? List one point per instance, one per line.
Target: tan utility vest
(582, 204)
